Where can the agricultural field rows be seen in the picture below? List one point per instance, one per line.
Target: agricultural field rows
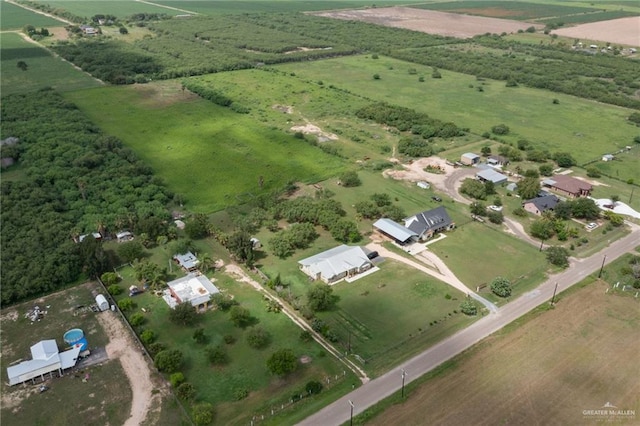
(13, 17)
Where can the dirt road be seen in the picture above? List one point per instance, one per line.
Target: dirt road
(122, 346)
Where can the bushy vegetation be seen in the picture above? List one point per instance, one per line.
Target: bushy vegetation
(76, 180)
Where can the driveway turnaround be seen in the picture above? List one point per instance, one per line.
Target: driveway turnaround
(370, 393)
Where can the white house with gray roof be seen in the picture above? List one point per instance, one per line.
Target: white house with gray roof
(45, 360)
(335, 264)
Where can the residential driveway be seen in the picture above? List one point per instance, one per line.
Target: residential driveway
(443, 272)
(370, 393)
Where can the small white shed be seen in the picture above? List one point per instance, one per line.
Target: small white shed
(102, 303)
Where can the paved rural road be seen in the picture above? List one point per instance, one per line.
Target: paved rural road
(375, 390)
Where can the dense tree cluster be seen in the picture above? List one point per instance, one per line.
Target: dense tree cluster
(74, 180)
(407, 119)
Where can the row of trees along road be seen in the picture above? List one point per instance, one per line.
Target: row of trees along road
(71, 179)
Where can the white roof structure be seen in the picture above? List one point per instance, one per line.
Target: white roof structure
(492, 176)
(470, 156)
(335, 262)
(187, 260)
(394, 229)
(45, 359)
(193, 288)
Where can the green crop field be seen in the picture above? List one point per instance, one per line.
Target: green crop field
(210, 155)
(13, 17)
(246, 369)
(586, 129)
(119, 8)
(506, 9)
(43, 69)
(585, 18)
(222, 7)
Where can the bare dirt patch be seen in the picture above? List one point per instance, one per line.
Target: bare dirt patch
(619, 31)
(121, 346)
(59, 33)
(312, 129)
(431, 22)
(494, 12)
(576, 357)
(285, 109)
(163, 94)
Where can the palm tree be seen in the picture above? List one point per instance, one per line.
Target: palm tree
(206, 264)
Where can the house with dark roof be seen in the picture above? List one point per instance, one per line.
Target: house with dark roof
(395, 231)
(540, 205)
(569, 186)
(335, 264)
(426, 224)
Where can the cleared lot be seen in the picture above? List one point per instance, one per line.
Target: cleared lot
(618, 31)
(575, 358)
(431, 22)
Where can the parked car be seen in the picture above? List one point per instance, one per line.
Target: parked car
(591, 226)
(436, 198)
(495, 208)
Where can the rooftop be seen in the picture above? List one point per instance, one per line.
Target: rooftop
(193, 288)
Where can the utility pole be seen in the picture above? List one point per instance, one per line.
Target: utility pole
(404, 373)
(541, 244)
(553, 298)
(602, 267)
(351, 417)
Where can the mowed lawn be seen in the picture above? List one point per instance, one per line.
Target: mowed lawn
(394, 313)
(43, 69)
(477, 253)
(13, 17)
(106, 395)
(246, 369)
(585, 128)
(210, 155)
(548, 370)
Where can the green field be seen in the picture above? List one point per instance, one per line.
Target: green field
(13, 17)
(519, 10)
(210, 155)
(44, 70)
(590, 17)
(477, 254)
(221, 7)
(246, 369)
(586, 129)
(392, 314)
(118, 8)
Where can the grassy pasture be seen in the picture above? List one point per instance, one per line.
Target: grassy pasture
(44, 70)
(211, 155)
(550, 366)
(506, 9)
(106, 394)
(119, 8)
(222, 7)
(246, 369)
(585, 18)
(586, 129)
(13, 17)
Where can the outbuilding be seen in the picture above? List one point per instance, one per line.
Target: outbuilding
(607, 157)
(469, 158)
(490, 175)
(102, 303)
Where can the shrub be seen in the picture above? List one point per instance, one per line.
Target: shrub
(240, 394)
(313, 387)
(500, 129)
(185, 391)
(203, 414)
(240, 316)
(114, 289)
(148, 337)
(558, 256)
(282, 362)
(156, 347)
(305, 336)
(223, 302)
(376, 76)
(229, 339)
(350, 179)
(501, 286)
(137, 319)
(109, 278)
(469, 307)
(199, 336)
(168, 361)
(176, 379)
(217, 355)
(258, 337)
(183, 314)
(126, 305)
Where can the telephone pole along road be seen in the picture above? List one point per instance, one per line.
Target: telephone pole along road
(370, 393)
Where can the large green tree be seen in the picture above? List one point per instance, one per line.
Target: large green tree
(320, 297)
(282, 362)
(528, 187)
